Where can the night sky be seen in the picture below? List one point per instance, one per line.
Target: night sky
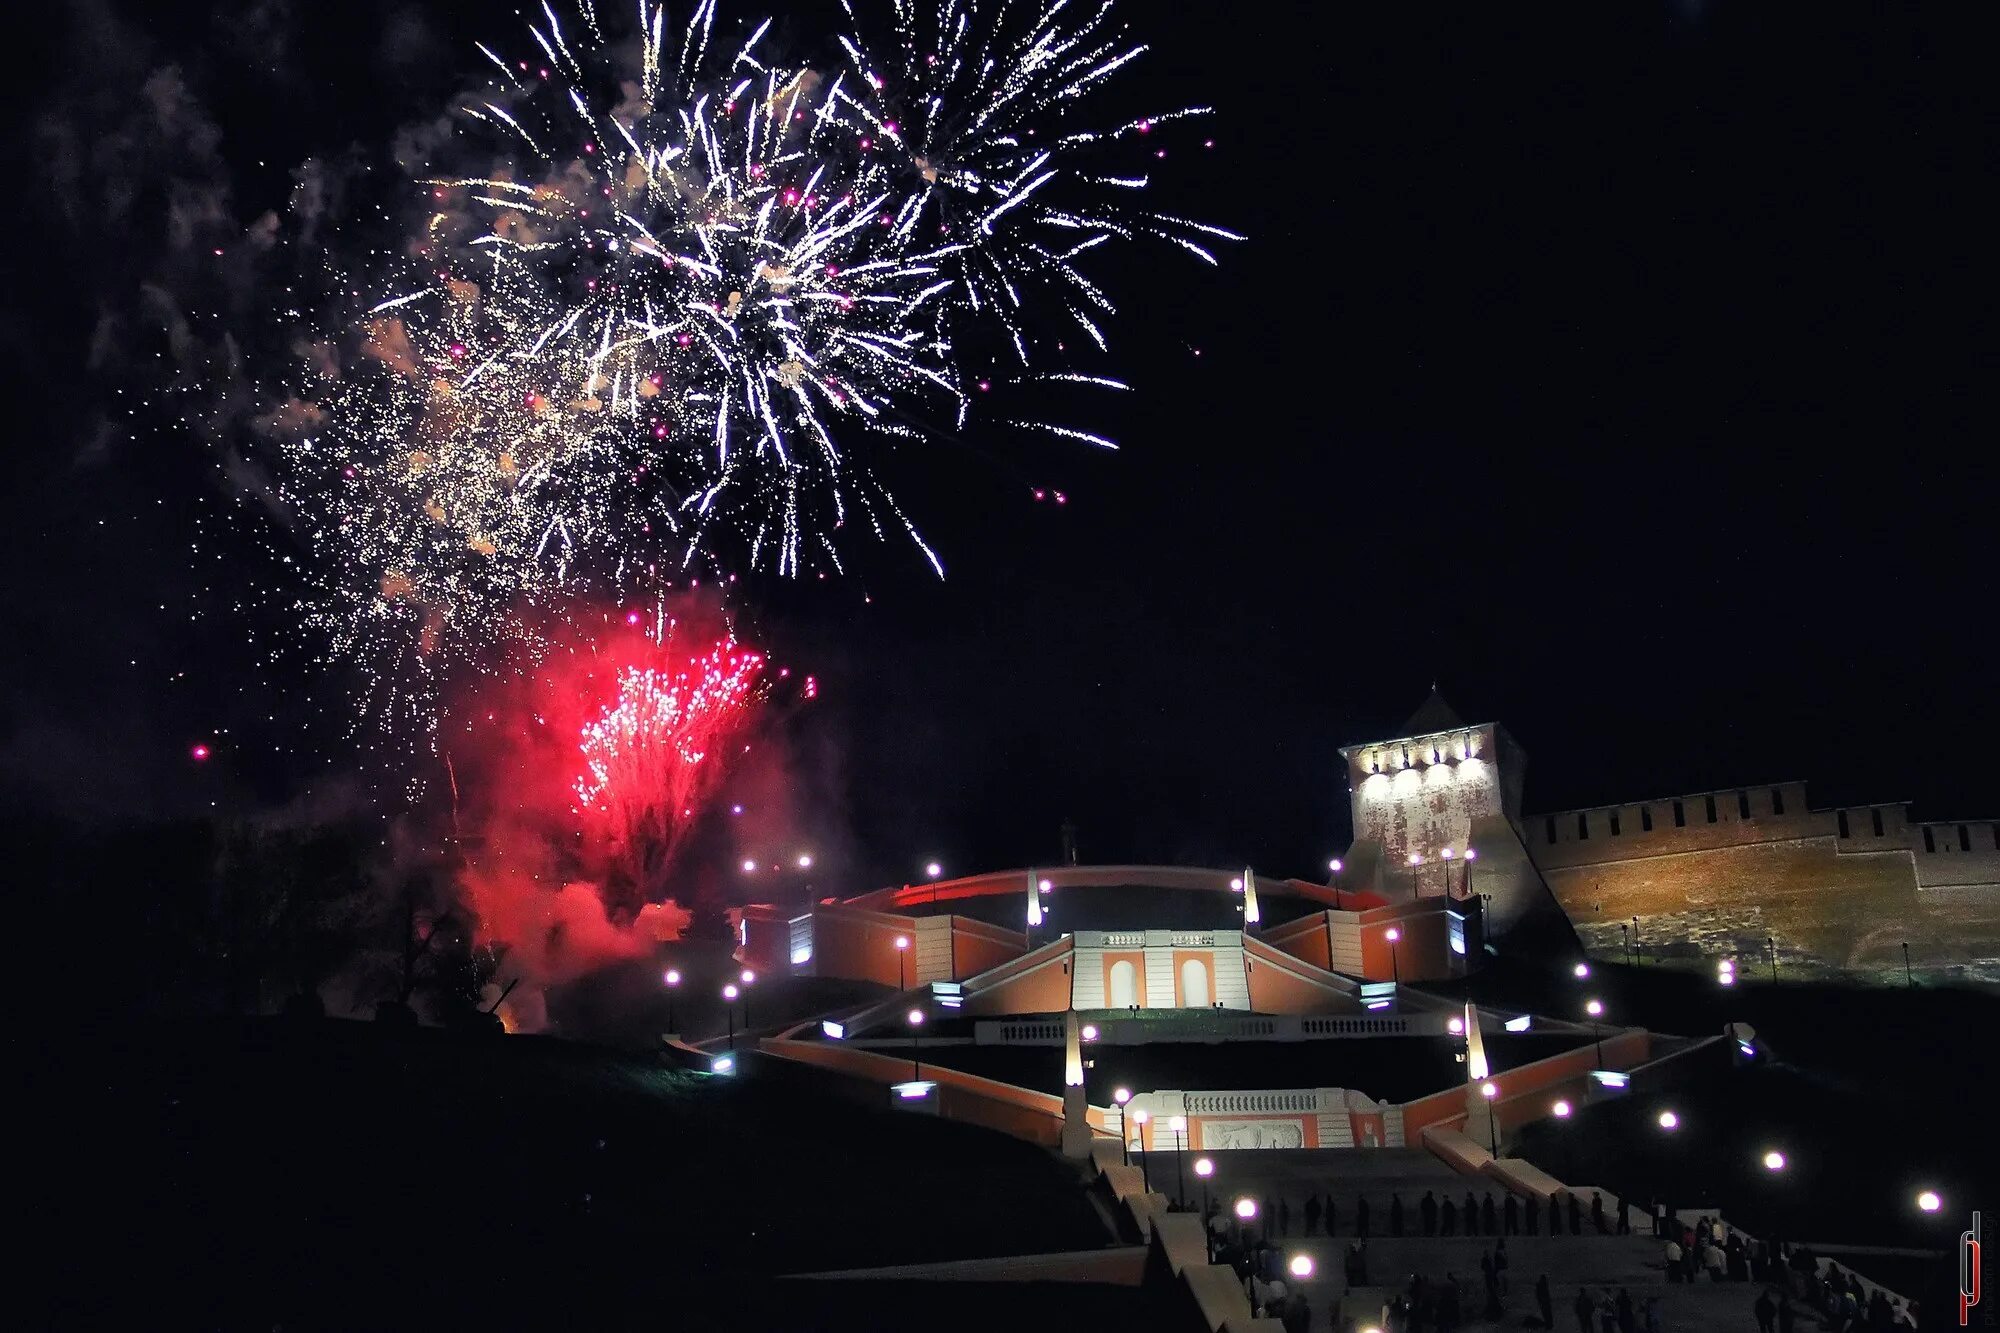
(1626, 370)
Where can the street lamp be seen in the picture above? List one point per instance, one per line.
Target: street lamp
(1725, 973)
(1669, 1121)
(805, 861)
(1178, 1124)
(1774, 1160)
(1638, 954)
(1416, 875)
(1205, 1168)
(1489, 1091)
(1471, 855)
(1139, 1118)
(749, 866)
(1581, 970)
(916, 1020)
(1771, 947)
(1909, 977)
(1395, 964)
(1624, 943)
(933, 869)
(673, 985)
(1929, 1201)
(1560, 1110)
(729, 1008)
(1596, 1011)
(1334, 866)
(1121, 1096)
(748, 977)
(1245, 1210)
(1301, 1266)
(902, 947)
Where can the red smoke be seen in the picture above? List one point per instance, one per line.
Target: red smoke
(578, 785)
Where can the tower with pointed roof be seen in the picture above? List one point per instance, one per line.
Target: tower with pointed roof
(1437, 813)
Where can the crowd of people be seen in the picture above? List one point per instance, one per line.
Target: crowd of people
(1475, 1215)
(1790, 1276)
(1788, 1273)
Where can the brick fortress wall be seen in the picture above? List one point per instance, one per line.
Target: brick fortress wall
(1713, 873)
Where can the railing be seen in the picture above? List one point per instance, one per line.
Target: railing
(1036, 1033)
(1180, 1025)
(1193, 939)
(1355, 1027)
(1247, 1103)
(1125, 939)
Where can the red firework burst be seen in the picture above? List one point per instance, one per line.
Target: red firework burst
(653, 756)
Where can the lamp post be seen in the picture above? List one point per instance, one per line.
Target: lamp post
(1205, 1168)
(748, 977)
(1416, 875)
(1638, 954)
(729, 1008)
(1471, 855)
(1121, 1096)
(1395, 964)
(1178, 1124)
(1771, 946)
(1624, 943)
(1444, 874)
(1334, 866)
(1139, 1118)
(1490, 1091)
(1245, 1210)
(1596, 1011)
(916, 1019)
(673, 986)
(902, 947)
(1909, 977)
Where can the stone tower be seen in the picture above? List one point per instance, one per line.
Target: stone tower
(1437, 812)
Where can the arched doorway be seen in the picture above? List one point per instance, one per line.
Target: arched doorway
(1124, 984)
(1194, 984)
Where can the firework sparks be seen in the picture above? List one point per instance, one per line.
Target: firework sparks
(653, 757)
(693, 291)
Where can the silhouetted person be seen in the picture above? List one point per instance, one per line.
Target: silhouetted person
(1284, 1217)
(1767, 1311)
(1535, 1213)
(1489, 1215)
(1627, 1321)
(1471, 1214)
(1511, 1214)
(1395, 1214)
(1545, 1302)
(1575, 1217)
(1584, 1308)
(1312, 1214)
(1786, 1317)
(1597, 1210)
(1448, 1218)
(1428, 1206)
(1624, 1217)
(1500, 1265)
(1332, 1216)
(1270, 1216)
(1361, 1218)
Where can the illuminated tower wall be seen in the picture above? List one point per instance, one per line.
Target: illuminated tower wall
(1446, 789)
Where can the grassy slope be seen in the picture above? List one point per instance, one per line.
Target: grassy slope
(256, 1172)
